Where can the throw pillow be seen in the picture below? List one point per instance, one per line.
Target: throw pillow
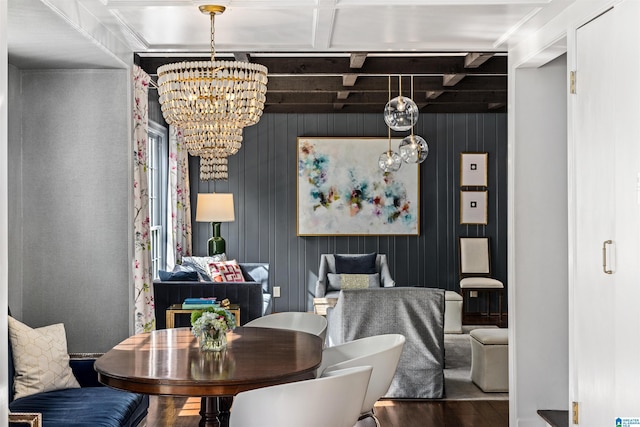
(200, 264)
(40, 359)
(356, 264)
(352, 281)
(179, 276)
(228, 271)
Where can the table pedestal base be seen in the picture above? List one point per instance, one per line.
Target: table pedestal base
(215, 411)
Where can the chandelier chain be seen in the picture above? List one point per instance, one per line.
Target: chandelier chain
(213, 34)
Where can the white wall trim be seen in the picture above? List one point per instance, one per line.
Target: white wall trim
(4, 211)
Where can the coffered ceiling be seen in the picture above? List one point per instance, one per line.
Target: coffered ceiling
(322, 55)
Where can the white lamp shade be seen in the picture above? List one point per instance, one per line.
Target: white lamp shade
(215, 207)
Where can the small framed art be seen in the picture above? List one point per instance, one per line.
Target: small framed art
(473, 207)
(473, 169)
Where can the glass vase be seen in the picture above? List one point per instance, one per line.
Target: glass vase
(212, 340)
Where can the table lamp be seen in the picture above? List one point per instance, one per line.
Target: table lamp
(215, 208)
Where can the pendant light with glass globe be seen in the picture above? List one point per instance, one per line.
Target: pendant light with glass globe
(413, 148)
(390, 161)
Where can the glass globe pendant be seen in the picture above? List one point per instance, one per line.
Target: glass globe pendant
(400, 113)
(389, 161)
(414, 149)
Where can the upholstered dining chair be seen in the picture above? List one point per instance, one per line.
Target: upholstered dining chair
(293, 320)
(381, 352)
(475, 271)
(297, 404)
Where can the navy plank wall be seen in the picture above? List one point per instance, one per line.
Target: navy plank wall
(262, 178)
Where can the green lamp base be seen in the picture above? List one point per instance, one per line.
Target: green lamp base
(216, 244)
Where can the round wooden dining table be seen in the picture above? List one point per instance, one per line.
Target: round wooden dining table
(170, 362)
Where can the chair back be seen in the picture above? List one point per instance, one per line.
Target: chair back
(381, 352)
(474, 256)
(293, 320)
(334, 400)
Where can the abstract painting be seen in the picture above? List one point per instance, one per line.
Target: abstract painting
(341, 190)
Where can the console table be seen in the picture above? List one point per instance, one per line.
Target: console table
(177, 309)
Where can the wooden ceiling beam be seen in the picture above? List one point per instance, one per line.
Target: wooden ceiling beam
(476, 59)
(242, 57)
(427, 65)
(433, 94)
(356, 60)
(380, 99)
(349, 80)
(334, 84)
(329, 108)
(452, 79)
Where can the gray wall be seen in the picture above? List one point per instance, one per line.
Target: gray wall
(262, 177)
(539, 321)
(14, 169)
(69, 146)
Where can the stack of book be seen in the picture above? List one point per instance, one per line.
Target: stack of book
(199, 303)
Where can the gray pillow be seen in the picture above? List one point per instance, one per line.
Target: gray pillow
(199, 264)
(356, 264)
(352, 281)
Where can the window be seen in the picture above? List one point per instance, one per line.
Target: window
(158, 159)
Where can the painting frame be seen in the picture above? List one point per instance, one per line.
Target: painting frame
(473, 169)
(474, 207)
(342, 192)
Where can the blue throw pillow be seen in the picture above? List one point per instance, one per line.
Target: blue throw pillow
(178, 276)
(356, 264)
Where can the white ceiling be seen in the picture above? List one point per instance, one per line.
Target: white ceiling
(103, 33)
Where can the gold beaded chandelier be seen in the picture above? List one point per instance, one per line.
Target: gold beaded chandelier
(212, 101)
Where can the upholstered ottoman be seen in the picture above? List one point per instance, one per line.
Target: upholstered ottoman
(452, 312)
(490, 359)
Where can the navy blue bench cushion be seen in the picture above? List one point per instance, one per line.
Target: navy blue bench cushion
(85, 407)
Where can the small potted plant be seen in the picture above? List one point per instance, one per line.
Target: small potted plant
(210, 326)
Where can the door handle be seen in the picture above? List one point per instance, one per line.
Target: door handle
(604, 256)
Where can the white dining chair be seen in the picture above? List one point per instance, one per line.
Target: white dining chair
(297, 404)
(381, 352)
(294, 320)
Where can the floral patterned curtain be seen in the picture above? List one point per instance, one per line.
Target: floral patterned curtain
(143, 300)
(179, 244)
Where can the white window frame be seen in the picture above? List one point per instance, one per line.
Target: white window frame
(157, 173)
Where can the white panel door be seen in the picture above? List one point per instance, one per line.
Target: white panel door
(604, 359)
(626, 317)
(593, 289)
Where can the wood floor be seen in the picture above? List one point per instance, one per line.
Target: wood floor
(183, 412)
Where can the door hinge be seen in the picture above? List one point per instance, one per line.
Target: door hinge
(574, 412)
(572, 82)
